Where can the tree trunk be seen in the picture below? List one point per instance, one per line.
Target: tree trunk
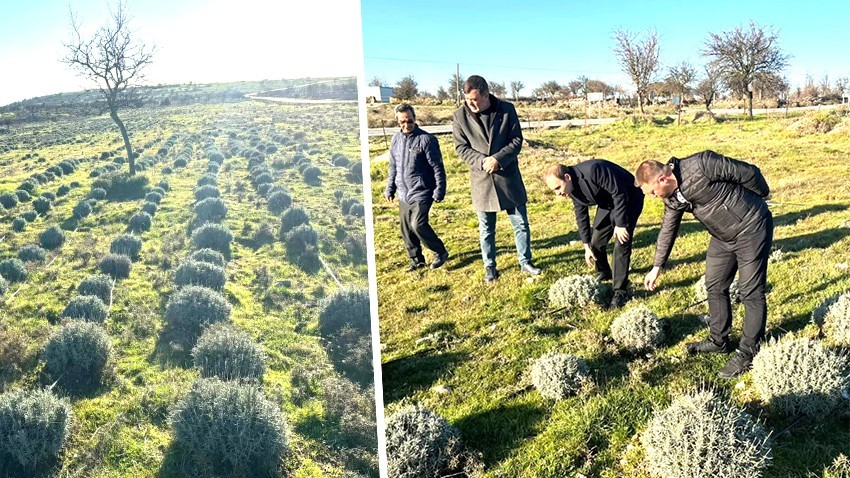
(113, 113)
(640, 102)
(750, 104)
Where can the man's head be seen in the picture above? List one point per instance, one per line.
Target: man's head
(476, 93)
(557, 178)
(656, 179)
(406, 117)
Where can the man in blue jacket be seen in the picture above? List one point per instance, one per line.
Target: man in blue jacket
(619, 204)
(728, 197)
(418, 179)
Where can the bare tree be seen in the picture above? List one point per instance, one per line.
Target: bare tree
(377, 81)
(548, 90)
(824, 85)
(681, 76)
(497, 89)
(709, 86)
(638, 59)
(516, 87)
(741, 55)
(115, 59)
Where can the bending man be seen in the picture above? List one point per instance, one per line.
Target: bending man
(727, 197)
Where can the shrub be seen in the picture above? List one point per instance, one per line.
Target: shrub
(124, 187)
(63, 190)
(208, 179)
(637, 329)
(800, 375)
(201, 274)
(150, 208)
(82, 210)
(355, 172)
(345, 308)
(557, 376)
(574, 291)
(340, 159)
(42, 205)
(67, 167)
(835, 319)
(180, 162)
(86, 307)
(207, 255)
(701, 435)
(52, 238)
(30, 185)
(264, 189)
(205, 192)
(22, 196)
(33, 426)
(421, 443)
(300, 239)
(128, 245)
(163, 184)
(294, 216)
(116, 265)
(168, 170)
(140, 222)
(30, 216)
(13, 270)
(263, 178)
(279, 201)
(19, 224)
(356, 210)
(265, 234)
(8, 200)
(98, 193)
(701, 293)
(98, 285)
(346, 204)
(312, 175)
(32, 253)
(49, 196)
(192, 308)
(248, 430)
(229, 354)
(211, 210)
(213, 236)
(153, 197)
(4, 286)
(77, 354)
(158, 190)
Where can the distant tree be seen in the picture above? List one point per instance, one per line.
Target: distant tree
(599, 86)
(497, 89)
(442, 94)
(455, 88)
(406, 88)
(638, 59)
(709, 87)
(770, 85)
(742, 54)
(377, 81)
(681, 76)
(548, 90)
(575, 87)
(115, 59)
(825, 89)
(516, 87)
(841, 84)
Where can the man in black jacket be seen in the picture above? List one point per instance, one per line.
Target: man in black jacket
(488, 137)
(727, 197)
(619, 204)
(418, 178)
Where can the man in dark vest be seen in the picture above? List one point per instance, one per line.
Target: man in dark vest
(728, 197)
(418, 179)
(488, 137)
(619, 204)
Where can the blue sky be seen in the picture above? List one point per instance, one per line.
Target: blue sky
(536, 41)
(197, 40)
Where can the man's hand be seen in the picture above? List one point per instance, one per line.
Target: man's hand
(490, 165)
(589, 257)
(390, 198)
(651, 279)
(622, 234)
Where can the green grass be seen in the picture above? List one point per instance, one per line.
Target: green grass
(122, 427)
(448, 328)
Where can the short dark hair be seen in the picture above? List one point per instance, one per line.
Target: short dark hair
(476, 82)
(405, 108)
(557, 170)
(649, 170)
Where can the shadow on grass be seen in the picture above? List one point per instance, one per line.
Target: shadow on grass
(173, 347)
(404, 376)
(792, 217)
(810, 444)
(179, 462)
(814, 240)
(497, 432)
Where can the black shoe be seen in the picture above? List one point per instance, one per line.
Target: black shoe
(619, 300)
(603, 276)
(707, 346)
(439, 260)
(490, 274)
(738, 364)
(415, 264)
(529, 269)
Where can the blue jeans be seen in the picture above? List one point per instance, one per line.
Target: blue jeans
(522, 235)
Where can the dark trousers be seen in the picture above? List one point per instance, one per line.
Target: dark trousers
(747, 255)
(622, 256)
(416, 231)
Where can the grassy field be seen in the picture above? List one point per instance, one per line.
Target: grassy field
(121, 428)
(464, 348)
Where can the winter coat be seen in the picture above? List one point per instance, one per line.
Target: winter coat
(608, 186)
(416, 168)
